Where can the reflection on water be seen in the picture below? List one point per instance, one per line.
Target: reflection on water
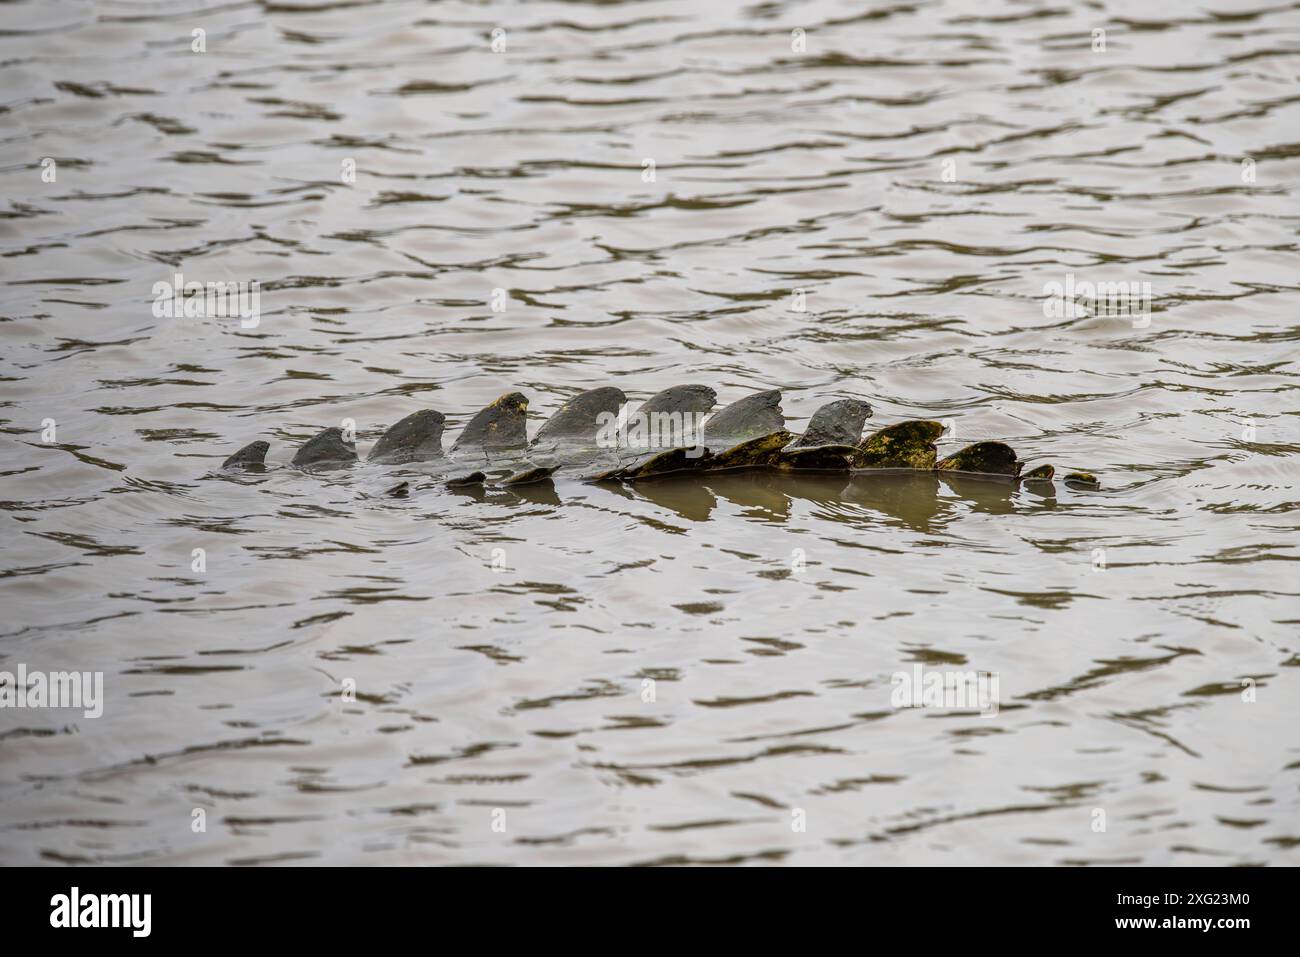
(642, 195)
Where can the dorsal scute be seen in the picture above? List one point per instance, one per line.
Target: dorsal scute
(753, 416)
(251, 457)
(984, 458)
(327, 448)
(415, 438)
(580, 418)
(835, 423)
(669, 419)
(695, 399)
(501, 424)
(903, 445)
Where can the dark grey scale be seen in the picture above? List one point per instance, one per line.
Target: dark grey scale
(531, 475)
(835, 423)
(500, 425)
(984, 458)
(748, 418)
(695, 399)
(667, 462)
(463, 481)
(571, 437)
(817, 458)
(325, 449)
(416, 438)
(667, 420)
(679, 409)
(581, 417)
(251, 457)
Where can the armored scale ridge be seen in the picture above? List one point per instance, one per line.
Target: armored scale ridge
(593, 438)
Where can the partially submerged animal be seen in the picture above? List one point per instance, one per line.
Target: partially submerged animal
(589, 438)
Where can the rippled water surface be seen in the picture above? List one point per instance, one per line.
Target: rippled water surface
(919, 169)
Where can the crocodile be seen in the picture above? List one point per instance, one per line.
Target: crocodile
(595, 437)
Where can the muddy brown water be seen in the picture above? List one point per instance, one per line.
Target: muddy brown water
(695, 671)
